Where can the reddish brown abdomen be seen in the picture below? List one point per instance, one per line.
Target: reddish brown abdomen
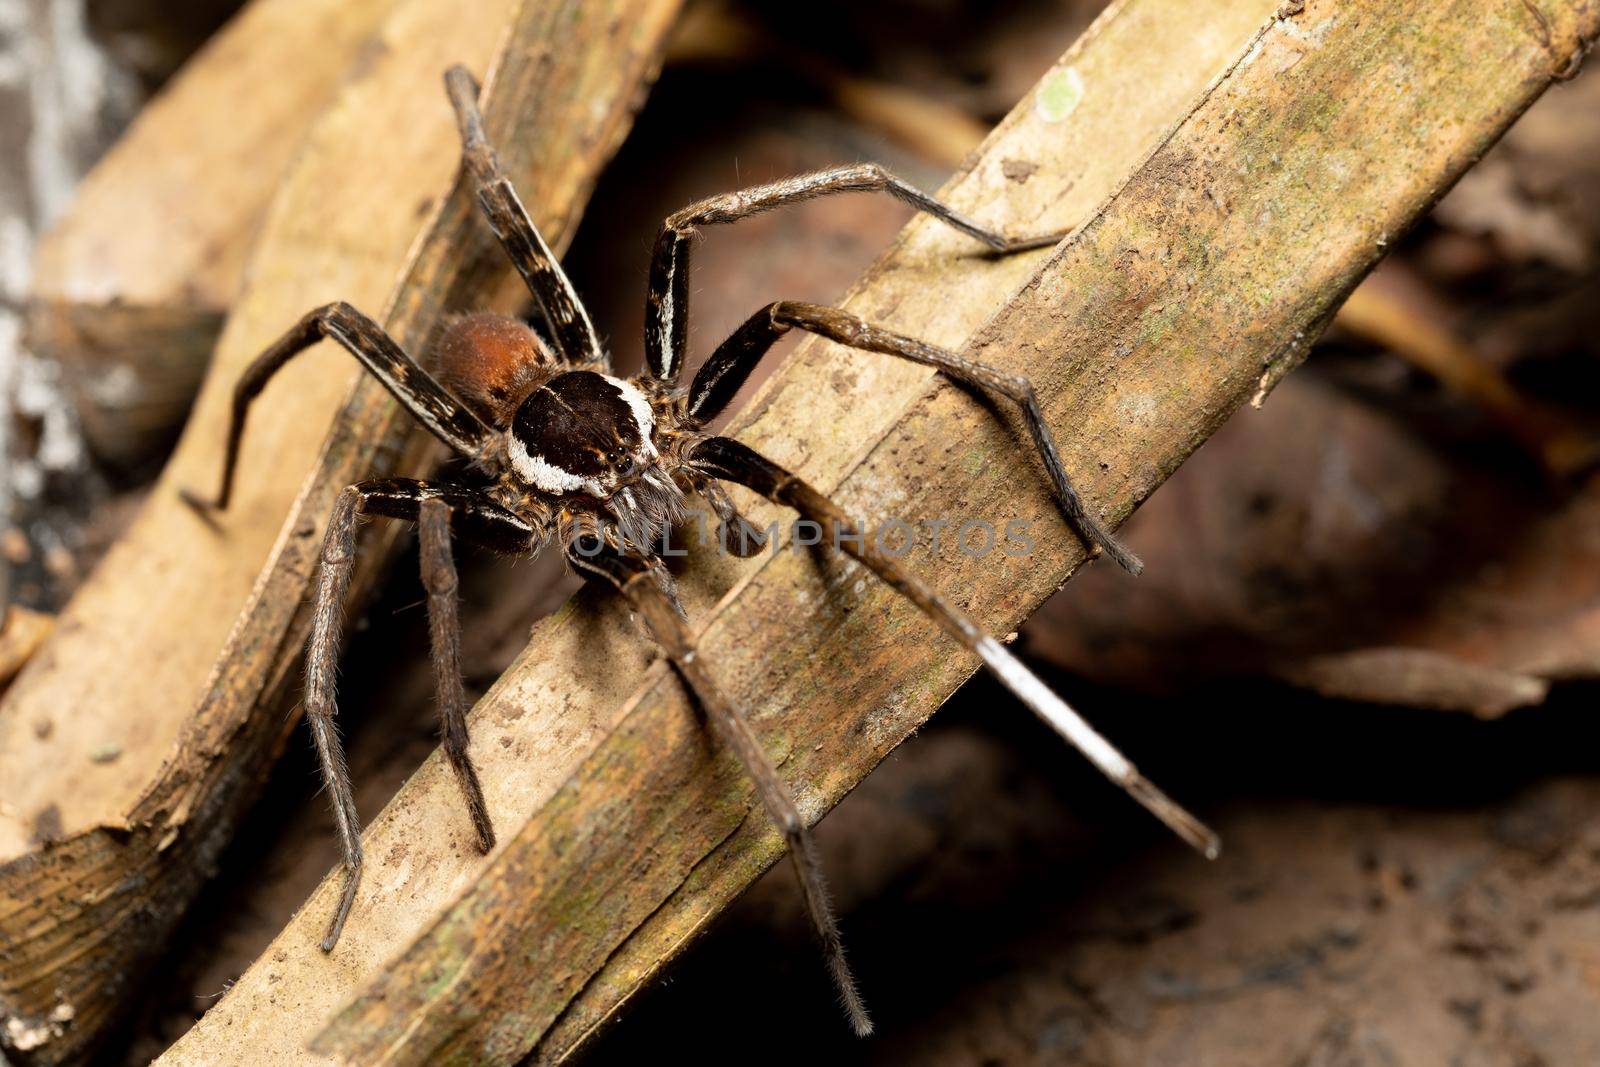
(492, 362)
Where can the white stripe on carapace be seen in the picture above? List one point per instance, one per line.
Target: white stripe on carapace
(550, 478)
(644, 415)
(543, 474)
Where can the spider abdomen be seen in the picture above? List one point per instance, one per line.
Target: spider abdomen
(492, 362)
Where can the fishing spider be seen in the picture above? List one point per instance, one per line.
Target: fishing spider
(600, 466)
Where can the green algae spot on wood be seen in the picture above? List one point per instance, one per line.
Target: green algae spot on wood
(1059, 94)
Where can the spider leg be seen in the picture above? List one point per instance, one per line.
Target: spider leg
(667, 307)
(436, 508)
(637, 580)
(428, 401)
(322, 660)
(444, 631)
(558, 302)
(735, 533)
(725, 458)
(730, 365)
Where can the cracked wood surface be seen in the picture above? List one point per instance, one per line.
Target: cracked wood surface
(101, 858)
(1193, 289)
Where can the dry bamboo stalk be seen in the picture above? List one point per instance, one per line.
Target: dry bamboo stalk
(101, 858)
(582, 666)
(132, 284)
(1192, 290)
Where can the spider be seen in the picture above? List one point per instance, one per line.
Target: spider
(600, 466)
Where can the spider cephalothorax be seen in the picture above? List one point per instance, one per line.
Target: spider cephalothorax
(588, 440)
(578, 447)
(599, 465)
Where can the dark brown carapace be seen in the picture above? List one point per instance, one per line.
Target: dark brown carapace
(600, 466)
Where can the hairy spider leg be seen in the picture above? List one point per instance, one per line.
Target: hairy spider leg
(444, 643)
(735, 533)
(727, 368)
(438, 509)
(666, 316)
(446, 417)
(563, 312)
(725, 458)
(635, 577)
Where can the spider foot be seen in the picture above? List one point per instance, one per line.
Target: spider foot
(1179, 821)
